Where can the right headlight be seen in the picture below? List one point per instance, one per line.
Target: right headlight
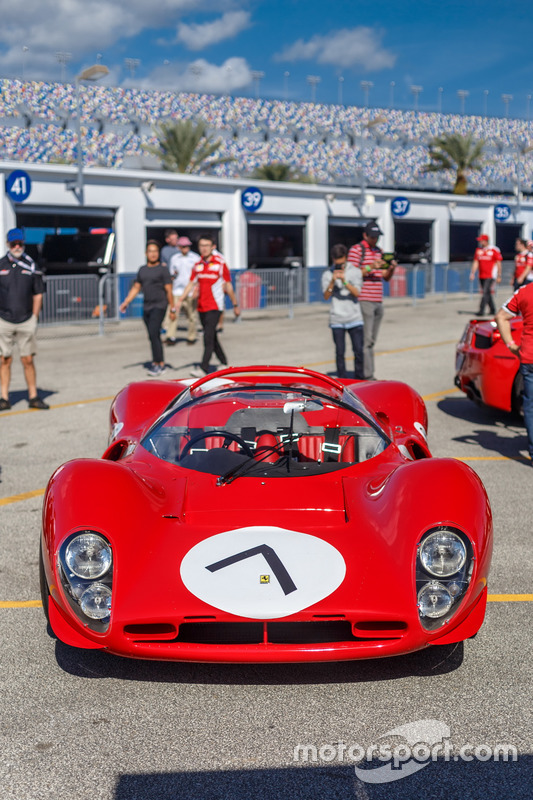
(85, 565)
(444, 565)
(88, 555)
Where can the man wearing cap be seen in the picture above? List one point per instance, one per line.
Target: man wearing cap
(180, 269)
(488, 260)
(369, 258)
(21, 298)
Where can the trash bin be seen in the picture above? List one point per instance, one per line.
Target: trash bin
(249, 290)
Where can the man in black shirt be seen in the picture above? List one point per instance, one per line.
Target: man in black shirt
(21, 299)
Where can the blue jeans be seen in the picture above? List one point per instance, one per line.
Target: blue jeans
(527, 407)
(356, 337)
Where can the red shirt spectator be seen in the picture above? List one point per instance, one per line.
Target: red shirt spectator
(211, 274)
(364, 256)
(487, 259)
(522, 303)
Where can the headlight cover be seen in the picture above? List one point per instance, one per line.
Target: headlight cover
(444, 564)
(85, 566)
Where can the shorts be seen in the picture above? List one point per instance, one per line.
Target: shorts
(23, 333)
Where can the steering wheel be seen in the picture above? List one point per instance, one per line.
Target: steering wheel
(226, 434)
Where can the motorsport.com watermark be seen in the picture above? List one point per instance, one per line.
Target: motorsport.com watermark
(425, 741)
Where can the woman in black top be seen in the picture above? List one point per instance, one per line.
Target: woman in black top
(156, 284)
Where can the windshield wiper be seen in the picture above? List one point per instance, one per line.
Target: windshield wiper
(245, 466)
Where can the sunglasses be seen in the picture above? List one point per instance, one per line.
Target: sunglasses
(16, 244)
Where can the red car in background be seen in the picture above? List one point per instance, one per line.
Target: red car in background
(486, 371)
(265, 514)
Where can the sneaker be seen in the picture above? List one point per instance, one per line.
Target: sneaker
(191, 341)
(198, 372)
(170, 341)
(155, 370)
(36, 402)
(5, 405)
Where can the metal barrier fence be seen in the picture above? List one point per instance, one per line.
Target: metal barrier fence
(81, 302)
(86, 303)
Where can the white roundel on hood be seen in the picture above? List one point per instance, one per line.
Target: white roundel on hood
(262, 572)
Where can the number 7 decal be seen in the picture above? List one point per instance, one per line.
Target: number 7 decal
(270, 556)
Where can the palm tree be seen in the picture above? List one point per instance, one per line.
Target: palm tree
(460, 153)
(277, 171)
(185, 146)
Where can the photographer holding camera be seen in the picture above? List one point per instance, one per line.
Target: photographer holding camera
(342, 285)
(375, 268)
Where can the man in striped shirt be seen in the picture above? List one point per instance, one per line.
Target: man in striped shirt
(369, 258)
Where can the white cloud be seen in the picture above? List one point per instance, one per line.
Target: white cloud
(348, 47)
(198, 37)
(81, 28)
(200, 76)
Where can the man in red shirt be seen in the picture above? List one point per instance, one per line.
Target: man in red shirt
(488, 260)
(211, 275)
(369, 258)
(521, 303)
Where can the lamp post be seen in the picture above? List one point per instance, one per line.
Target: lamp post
(313, 81)
(506, 100)
(341, 81)
(366, 86)
(257, 74)
(93, 73)
(416, 92)
(439, 102)
(286, 76)
(462, 94)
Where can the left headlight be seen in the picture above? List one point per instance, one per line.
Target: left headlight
(442, 553)
(445, 553)
(85, 565)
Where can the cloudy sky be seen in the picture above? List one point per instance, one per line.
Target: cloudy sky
(241, 47)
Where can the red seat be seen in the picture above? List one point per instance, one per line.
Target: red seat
(267, 448)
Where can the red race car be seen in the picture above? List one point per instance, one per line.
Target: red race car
(266, 514)
(486, 371)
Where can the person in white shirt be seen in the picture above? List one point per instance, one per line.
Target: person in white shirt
(180, 269)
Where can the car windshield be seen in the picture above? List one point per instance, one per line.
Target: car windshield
(269, 430)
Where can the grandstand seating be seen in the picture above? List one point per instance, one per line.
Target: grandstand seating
(331, 142)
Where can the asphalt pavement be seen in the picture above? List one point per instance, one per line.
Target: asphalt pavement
(90, 726)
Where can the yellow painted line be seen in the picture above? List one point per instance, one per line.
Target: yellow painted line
(17, 498)
(510, 598)
(436, 395)
(388, 352)
(59, 405)
(491, 458)
(491, 598)
(415, 347)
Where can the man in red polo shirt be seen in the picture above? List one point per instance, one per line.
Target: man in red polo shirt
(488, 260)
(369, 258)
(521, 303)
(211, 275)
